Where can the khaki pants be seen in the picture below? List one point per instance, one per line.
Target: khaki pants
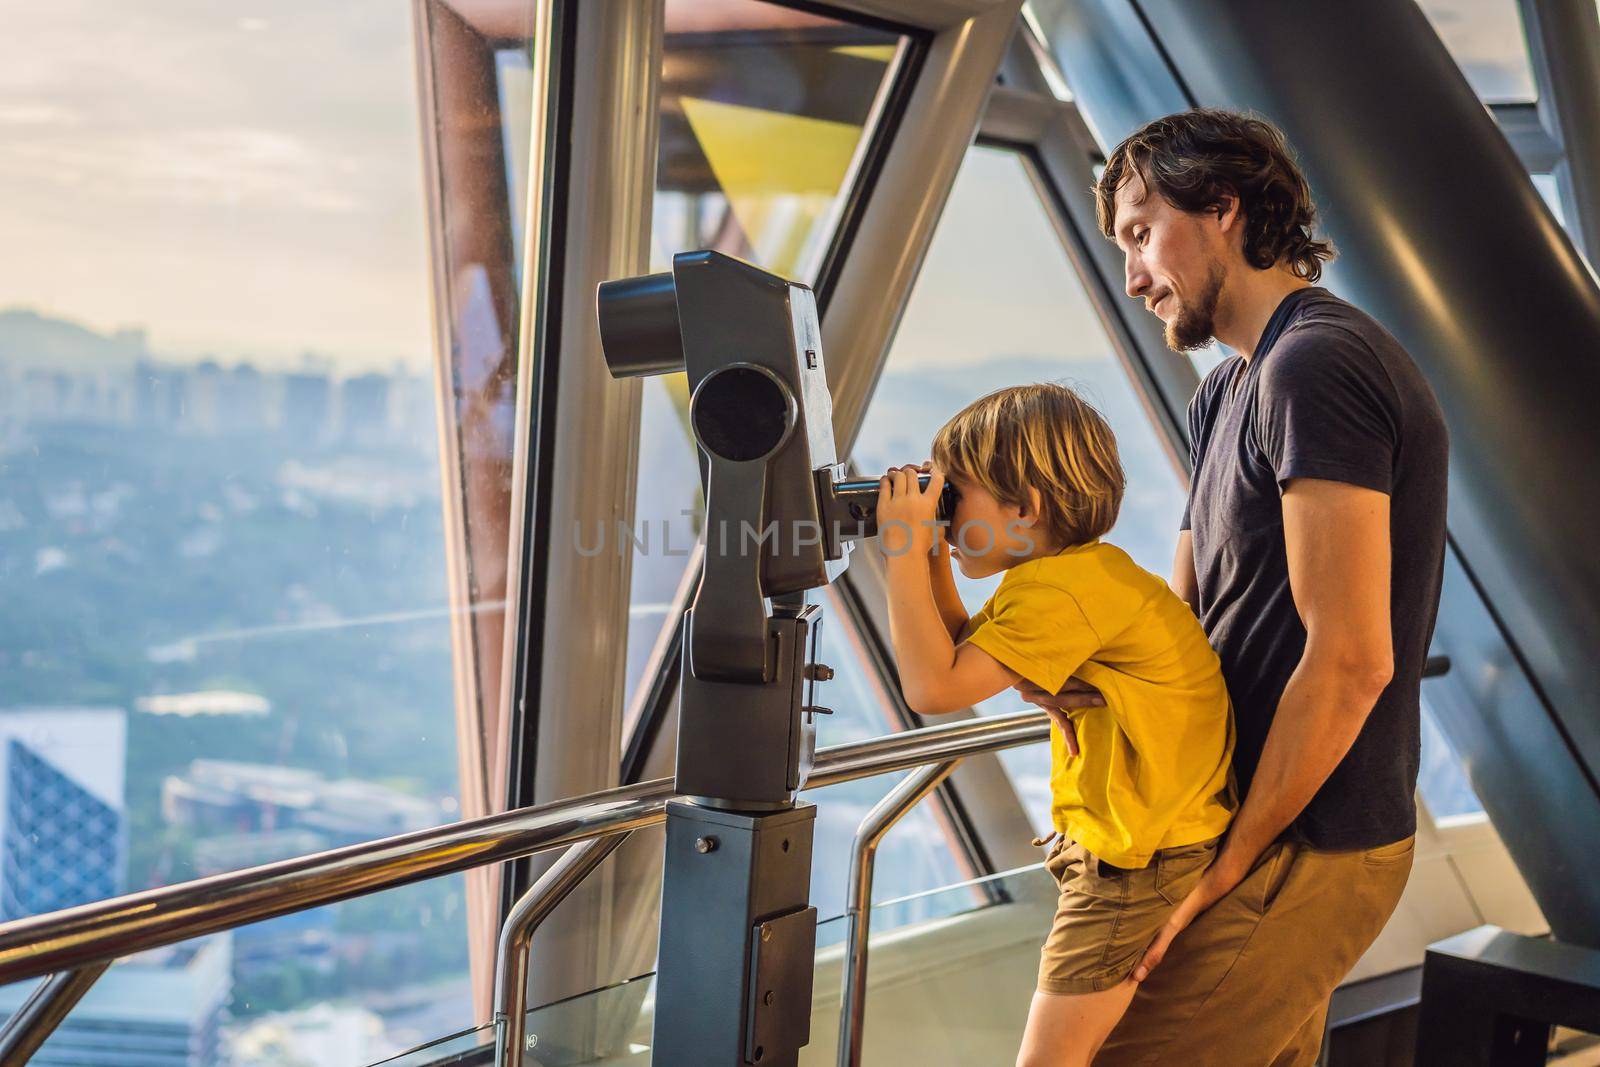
(1247, 984)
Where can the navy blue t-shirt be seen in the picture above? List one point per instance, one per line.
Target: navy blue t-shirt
(1329, 394)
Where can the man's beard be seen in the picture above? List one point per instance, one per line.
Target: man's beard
(1195, 324)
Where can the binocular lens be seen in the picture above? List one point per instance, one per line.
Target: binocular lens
(741, 412)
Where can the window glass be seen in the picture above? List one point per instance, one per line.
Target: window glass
(764, 110)
(1210, 357)
(222, 545)
(999, 303)
(1440, 778)
(915, 855)
(1487, 40)
(764, 113)
(1484, 674)
(514, 82)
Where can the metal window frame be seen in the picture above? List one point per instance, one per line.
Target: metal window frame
(577, 439)
(1563, 38)
(476, 561)
(1529, 139)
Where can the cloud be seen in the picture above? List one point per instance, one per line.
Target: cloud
(248, 181)
(38, 114)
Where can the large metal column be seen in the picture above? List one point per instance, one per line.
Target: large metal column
(1445, 241)
(577, 429)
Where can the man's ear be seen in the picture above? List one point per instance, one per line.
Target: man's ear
(1228, 214)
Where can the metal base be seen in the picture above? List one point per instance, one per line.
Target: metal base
(738, 941)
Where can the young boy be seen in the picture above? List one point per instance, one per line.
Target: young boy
(1142, 794)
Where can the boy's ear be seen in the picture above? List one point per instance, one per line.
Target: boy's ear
(1029, 511)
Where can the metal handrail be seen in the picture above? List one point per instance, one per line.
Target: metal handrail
(511, 957)
(858, 904)
(42, 1012)
(75, 938)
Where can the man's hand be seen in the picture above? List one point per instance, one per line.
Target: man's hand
(1218, 881)
(1075, 694)
(907, 513)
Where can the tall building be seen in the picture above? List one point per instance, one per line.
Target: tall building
(307, 405)
(364, 408)
(160, 393)
(63, 831)
(162, 1008)
(228, 798)
(241, 400)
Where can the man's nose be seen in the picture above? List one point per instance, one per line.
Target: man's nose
(1138, 279)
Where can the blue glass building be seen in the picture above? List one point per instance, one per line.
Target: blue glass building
(63, 823)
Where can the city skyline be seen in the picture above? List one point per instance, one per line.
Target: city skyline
(130, 343)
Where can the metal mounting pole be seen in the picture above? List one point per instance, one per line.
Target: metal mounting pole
(858, 915)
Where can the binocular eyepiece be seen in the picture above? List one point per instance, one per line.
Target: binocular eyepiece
(852, 505)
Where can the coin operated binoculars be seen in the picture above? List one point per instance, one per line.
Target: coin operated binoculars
(738, 937)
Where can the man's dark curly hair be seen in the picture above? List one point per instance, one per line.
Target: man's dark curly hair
(1199, 158)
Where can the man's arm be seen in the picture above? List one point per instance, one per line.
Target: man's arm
(1341, 588)
(1184, 582)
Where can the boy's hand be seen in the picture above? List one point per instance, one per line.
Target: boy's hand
(941, 530)
(1069, 733)
(907, 513)
(1075, 694)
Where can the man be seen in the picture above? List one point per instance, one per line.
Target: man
(1312, 551)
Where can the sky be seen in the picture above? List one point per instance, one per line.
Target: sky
(242, 179)
(1029, 301)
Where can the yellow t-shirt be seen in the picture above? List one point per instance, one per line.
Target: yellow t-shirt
(1154, 764)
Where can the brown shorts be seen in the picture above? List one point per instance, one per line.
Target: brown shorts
(1247, 985)
(1107, 916)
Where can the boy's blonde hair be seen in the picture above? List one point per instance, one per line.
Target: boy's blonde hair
(1045, 437)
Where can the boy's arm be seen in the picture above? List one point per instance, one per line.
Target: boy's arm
(952, 612)
(937, 675)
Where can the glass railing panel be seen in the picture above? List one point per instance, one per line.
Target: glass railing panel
(952, 988)
(475, 1046)
(345, 983)
(974, 943)
(610, 1025)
